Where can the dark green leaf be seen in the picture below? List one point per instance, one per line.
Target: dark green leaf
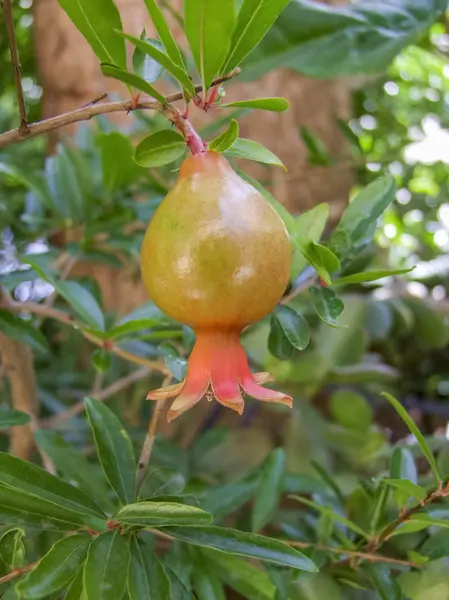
(143, 65)
(253, 21)
(158, 19)
(416, 432)
(160, 148)
(97, 21)
(75, 591)
(56, 569)
(10, 417)
(246, 544)
(437, 546)
(115, 451)
(163, 59)
(101, 360)
(409, 488)
(119, 168)
(12, 549)
(177, 588)
(161, 482)
(269, 489)
(251, 150)
(318, 154)
(328, 307)
(207, 583)
(22, 331)
(106, 568)
(151, 514)
(147, 579)
(384, 582)
(351, 410)
(294, 325)
(402, 466)
(278, 343)
(360, 215)
(209, 25)
(322, 259)
(74, 466)
(272, 104)
(368, 276)
(430, 326)
(82, 302)
(306, 228)
(226, 139)
(133, 80)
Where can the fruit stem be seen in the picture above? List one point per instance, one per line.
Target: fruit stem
(185, 127)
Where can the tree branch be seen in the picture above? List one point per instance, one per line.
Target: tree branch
(17, 572)
(92, 110)
(9, 21)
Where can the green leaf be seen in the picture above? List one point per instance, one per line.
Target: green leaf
(207, 583)
(428, 521)
(402, 466)
(209, 25)
(161, 482)
(269, 489)
(163, 30)
(82, 302)
(177, 588)
(253, 21)
(160, 148)
(74, 466)
(10, 418)
(322, 259)
(106, 568)
(409, 488)
(147, 579)
(328, 307)
(246, 544)
(226, 139)
(308, 227)
(143, 65)
(133, 80)
(363, 212)
(158, 514)
(294, 325)
(278, 343)
(437, 546)
(101, 360)
(18, 329)
(251, 150)
(97, 21)
(271, 104)
(351, 410)
(356, 38)
(430, 326)
(12, 548)
(27, 478)
(75, 591)
(114, 448)
(326, 510)
(318, 154)
(56, 569)
(369, 276)
(384, 582)
(163, 59)
(416, 432)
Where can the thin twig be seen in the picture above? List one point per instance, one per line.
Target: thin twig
(148, 444)
(115, 388)
(302, 287)
(9, 21)
(87, 112)
(96, 100)
(17, 573)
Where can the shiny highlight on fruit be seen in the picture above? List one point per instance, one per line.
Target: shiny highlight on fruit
(216, 256)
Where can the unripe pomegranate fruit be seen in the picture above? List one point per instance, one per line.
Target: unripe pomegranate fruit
(216, 256)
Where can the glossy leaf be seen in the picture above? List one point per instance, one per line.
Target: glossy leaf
(177, 588)
(20, 330)
(143, 65)
(416, 432)
(326, 304)
(323, 260)
(75, 591)
(163, 30)
(114, 448)
(254, 19)
(278, 343)
(362, 212)
(12, 549)
(97, 21)
(56, 569)
(251, 150)
(163, 59)
(152, 514)
(160, 148)
(82, 302)
(246, 544)
(402, 466)
(271, 104)
(409, 488)
(10, 417)
(369, 276)
(209, 25)
(146, 576)
(161, 482)
(106, 567)
(132, 80)
(436, 546)
(294, 325)
(269, 489)
(308, 227)
(207, 583)
(225, 140)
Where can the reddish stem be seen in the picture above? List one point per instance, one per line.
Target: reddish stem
(185, 127)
